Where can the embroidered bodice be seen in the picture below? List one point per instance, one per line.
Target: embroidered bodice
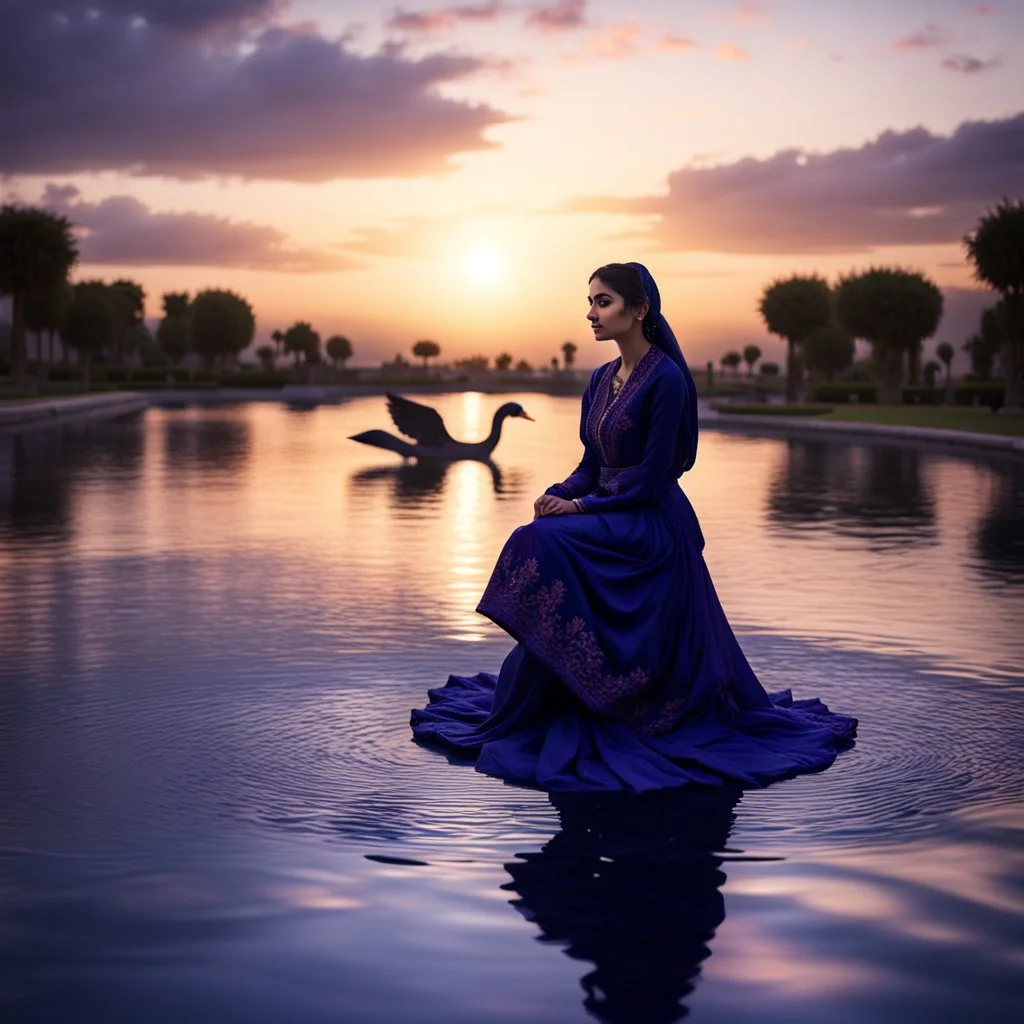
(629, 438)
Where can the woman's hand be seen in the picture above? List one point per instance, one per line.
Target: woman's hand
(550, 505)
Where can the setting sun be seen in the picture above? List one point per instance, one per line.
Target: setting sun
(482, 264)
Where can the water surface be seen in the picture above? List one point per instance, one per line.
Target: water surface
(213, 623)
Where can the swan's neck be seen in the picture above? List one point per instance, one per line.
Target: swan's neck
(495, 434)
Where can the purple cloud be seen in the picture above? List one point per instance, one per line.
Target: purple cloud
(903, 188)
(124, 231)
(183, 15)
(120, 93)
(563, 14)
(444, 17)
(967, 65)
(931, 36)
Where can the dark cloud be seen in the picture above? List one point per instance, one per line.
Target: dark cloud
(967, 65)
(903, 188)
(184, 15)
(121, 230)
(440, 18)
(563, 14)
(106, 91)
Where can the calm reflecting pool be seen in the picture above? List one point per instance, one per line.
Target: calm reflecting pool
(214, 622)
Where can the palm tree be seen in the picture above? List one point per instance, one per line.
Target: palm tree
(945, 353)
(996, 248)
(129, 304)
(503, 362)
(792, 308)
(339, 349)
(44, 311)
(893, 309)
(930, 370)
(277, 337)
(751, 354)
(426, 349)
(173, 335)
(732, 360)
(983, 346)
(266, 355)
(523, 367)
(300, 339)
(569, 354)
(37, 251)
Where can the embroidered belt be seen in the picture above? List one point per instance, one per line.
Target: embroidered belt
(607, 475)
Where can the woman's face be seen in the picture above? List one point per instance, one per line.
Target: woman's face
(608, 315)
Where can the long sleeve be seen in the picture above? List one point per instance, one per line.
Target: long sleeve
(583, 479)
(641, 484)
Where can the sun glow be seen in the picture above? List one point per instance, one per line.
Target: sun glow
(482, 264)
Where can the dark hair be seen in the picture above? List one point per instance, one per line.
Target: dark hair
(623, 280)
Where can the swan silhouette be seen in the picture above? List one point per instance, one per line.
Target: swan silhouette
(433, 441)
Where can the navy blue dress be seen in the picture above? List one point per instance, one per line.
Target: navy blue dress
(625, 674)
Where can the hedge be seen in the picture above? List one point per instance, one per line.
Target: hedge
(771, 408)
(981, 392)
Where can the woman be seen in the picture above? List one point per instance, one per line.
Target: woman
(626, 674)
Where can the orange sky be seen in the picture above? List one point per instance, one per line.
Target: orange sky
(340, 162)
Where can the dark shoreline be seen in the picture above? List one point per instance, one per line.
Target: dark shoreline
(41, 413)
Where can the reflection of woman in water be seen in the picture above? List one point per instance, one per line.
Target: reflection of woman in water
(631, 884)
(626, 674)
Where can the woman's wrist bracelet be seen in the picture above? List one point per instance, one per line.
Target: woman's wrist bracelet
(578, 503)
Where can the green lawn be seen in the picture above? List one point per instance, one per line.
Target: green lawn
(974, 420)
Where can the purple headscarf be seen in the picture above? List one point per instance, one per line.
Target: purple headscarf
(658, 332)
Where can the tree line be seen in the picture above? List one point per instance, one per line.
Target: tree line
(38, 251)
(892, 308)
(895, 310)
(427, 349)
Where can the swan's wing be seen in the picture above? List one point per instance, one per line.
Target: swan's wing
(419, 422)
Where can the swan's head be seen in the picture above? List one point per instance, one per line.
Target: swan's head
(514, 409)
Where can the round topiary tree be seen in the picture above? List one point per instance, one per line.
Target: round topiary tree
(792, 308)
(427, 349)
(751, 354)
(828, 350)
(996, 248)
(945, 352)
(90, 322)
(339, 349)
(895, 310)
(222, 324)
